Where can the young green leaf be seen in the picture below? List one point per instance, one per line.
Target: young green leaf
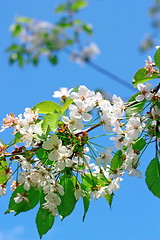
(23, 19)
(51, 119)
(89, 181)
(67, 103)
(116, 160)
(47, 107)
(68, 200)
(60, 8)
(153, 177)
(3, 174)
(78, 4)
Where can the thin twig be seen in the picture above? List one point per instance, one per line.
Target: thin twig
(105, 72)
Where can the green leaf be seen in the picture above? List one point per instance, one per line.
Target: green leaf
(60, 8)
(17, 138)
(141, 77)
(13, 58)
(19, 59)
(86, 200)
(43, 156)
(68, 200)
(23, 19)
(157, 58)
(35, 61)
(67, 103)
(88, 28)
(13, 47)
(153, 177)
(47, 107)
(89, 181)
(53, 59)
(117, 160)
(16, 29)
(109, 198)
(3, 175)
(33, 198)
(78, 4)
(44, 219)
(139, 144)
(64, 22)
(51, 119)
(136, 107)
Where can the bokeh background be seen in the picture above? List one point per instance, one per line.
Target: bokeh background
(119, 26)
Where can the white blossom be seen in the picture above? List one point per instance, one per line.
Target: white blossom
(145, 92)
(63, 93)
(114, 185)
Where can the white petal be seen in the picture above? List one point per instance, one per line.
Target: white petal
(139, 98)
(47, 145)
(53, 156)
(86, 116)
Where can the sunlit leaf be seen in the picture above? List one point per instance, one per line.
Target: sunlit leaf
(141, 76)
(60, 8)
(47, 107)
(3, 174)
(153, 177)
(157, 58)
(51, 119)
(23, 19)
(78, 4)
(67, 103)
(117, 160)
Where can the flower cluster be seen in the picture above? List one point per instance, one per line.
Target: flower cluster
(63, 162)
(86, 54)
(35, 34)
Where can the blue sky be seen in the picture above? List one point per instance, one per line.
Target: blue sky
(119, 28)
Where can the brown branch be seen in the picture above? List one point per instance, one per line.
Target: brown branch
(89, 129)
